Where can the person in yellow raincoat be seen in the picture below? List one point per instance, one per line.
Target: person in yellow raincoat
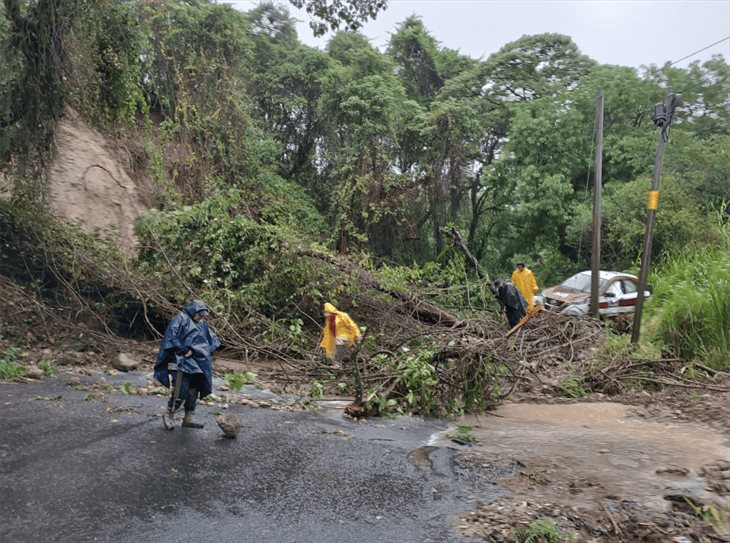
(340, 334)
(524, 280)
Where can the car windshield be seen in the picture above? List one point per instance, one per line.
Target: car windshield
(582, 282)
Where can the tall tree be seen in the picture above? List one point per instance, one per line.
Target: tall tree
(536, 66)
(705, 89)
(287, 84)
(415, 54)
(340, 14)
(35, 48)
(361, 108)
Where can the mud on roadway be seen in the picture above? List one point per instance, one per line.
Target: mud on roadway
(599, 472)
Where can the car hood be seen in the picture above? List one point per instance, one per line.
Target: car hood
(565, 295)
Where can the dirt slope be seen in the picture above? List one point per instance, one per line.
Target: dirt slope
(89, 184)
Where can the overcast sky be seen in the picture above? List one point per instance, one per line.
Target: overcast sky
(624, 32)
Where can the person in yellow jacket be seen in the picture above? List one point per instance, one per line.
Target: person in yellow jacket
(524, 280)
(340, 334)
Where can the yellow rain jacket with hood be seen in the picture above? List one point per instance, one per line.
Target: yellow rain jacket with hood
(525, 282)
(339, 329)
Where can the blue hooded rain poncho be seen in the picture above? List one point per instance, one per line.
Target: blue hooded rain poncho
(183, 334)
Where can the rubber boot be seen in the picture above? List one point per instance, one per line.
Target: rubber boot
(168, 419)
(189, 420)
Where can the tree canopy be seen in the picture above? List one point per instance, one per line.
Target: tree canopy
(387, 148)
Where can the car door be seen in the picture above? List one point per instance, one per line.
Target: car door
(627, 301)
(610, 301)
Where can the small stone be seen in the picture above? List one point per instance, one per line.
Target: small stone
(73, 381)
(672, 470)
(125, 362)
(34, 372)
(230, 424)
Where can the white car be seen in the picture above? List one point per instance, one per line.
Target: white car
(617, 293)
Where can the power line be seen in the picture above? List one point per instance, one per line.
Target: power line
(703, 49)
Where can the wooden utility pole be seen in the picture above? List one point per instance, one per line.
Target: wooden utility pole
(663, 113)
(598, 180)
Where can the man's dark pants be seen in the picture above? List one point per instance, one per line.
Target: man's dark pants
(191, 385)
(514, 315)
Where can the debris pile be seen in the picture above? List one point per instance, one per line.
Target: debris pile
(417, 357)
(555, 511)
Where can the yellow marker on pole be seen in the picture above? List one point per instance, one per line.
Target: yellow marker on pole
(653, 200)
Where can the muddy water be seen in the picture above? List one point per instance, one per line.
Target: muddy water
(600, 445)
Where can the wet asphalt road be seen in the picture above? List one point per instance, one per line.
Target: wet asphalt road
(77, 471)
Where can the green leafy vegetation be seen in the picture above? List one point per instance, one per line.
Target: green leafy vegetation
(378, 402)
(128, 389)
(572, 387)
(283, 176)
(710, 514)
(9, 366)
(236, 381)
(418, 377)
(49, 368)
(542, 530)
(463, 434)
(317, 390)
(690, 307)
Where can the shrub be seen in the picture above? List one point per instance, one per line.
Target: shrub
(9, 367)
(541, 530)
(690, 306)
(572, 387)
(49, 368)
(227, 256)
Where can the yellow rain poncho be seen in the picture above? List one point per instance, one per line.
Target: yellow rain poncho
(525, 282)
(339, 328)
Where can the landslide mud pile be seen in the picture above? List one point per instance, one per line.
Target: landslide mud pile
(90, 185)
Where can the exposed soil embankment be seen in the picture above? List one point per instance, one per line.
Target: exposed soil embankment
(88, 184)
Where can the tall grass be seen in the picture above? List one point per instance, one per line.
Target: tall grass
(690, 308)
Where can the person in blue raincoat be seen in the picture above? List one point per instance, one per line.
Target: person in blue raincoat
(187, 353)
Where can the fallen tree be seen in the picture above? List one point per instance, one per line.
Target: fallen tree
(417, 357)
